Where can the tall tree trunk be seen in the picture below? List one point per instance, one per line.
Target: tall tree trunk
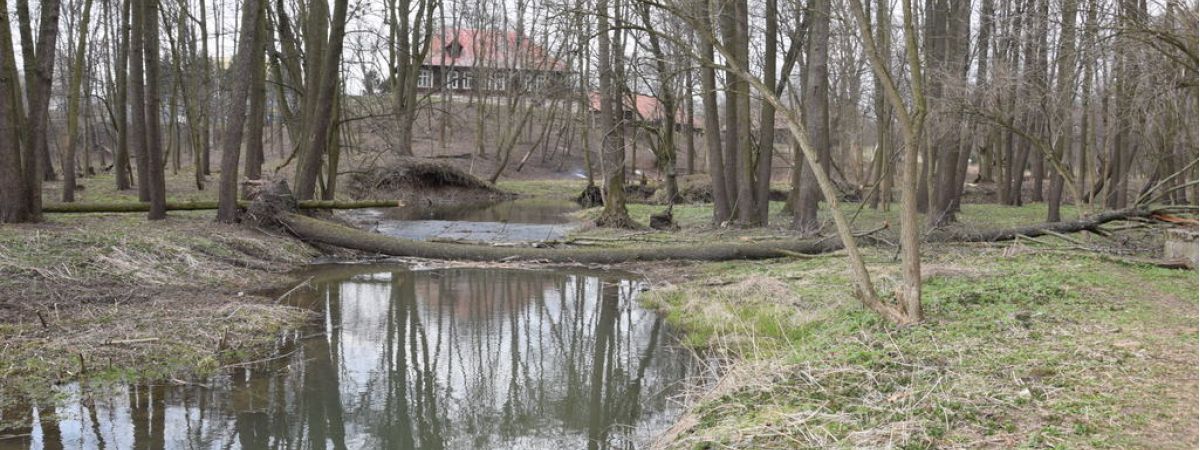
(73, 96)
(908, 295)
(30, 51)
(1065, 111)
(613, 154)
(137, 98)
(728, 30)
(690, 138)
(154, 154)
(14, 185)
(322, 118)
(35, 156)
(747, 211)
(722, 210)
(248, 54)
(258, 97)
(816, 102)
(883, 111)
(121, 166)
(766, 141)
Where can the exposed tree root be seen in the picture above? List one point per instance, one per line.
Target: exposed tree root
(610, 219)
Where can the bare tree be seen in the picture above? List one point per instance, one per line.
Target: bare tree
(73, 100)
(247, 59)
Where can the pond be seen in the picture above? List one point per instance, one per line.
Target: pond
(507, 221)
(422, 359)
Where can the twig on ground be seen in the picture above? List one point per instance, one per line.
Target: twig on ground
(294, 289)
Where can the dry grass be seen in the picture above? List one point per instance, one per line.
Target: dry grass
(116, 298)
(1020, 349)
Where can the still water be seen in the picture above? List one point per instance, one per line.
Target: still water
(508, 221)
(421, 359)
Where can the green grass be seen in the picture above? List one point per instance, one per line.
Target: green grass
(562, 189)
(1025, 351)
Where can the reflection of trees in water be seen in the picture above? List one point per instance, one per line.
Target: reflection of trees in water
(452, 358)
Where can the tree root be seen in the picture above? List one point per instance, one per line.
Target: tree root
(610, 219)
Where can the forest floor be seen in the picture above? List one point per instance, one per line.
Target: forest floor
(1036, 343)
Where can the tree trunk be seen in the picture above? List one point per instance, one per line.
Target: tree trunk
(816, 102)
(1065, 100)
(766, 141)
(258, 98)
(341, 236)
(73, 97)
(722, 209)
(14, 185)
(36, 156)
(883, 112)
(248, 54)
(121, 166)
(137, 99)
(310, 163)
(613, 157)
(156, 177)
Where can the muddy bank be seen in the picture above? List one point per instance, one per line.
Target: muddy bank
(116, 298)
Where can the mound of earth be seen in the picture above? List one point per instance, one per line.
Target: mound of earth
(418, 181)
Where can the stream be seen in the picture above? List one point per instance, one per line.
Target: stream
(422, 359)
(520, 220)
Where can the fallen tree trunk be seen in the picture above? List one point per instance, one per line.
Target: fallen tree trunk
(329, 233)
(131, 207)
(1089, 224)
(324, 232)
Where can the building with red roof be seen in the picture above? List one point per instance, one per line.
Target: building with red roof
(490, 61)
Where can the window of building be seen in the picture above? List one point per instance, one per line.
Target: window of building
(425, 79)
(498, 81)
(466, 80)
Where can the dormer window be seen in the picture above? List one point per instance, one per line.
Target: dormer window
(454, 49)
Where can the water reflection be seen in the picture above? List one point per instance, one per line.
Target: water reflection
(525, 210)
(463, 358)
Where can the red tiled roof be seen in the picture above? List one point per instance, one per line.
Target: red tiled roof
(648, 108)
(490, 49)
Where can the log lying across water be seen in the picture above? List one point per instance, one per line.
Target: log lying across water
(329, 233)
(131, 207)
(325, 232)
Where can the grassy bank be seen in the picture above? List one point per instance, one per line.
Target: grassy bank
(1019, 349)
(112, 297)
(1025, 344)
(1054, 342)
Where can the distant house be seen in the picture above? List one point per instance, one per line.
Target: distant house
(492, 62)
(648, 110)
